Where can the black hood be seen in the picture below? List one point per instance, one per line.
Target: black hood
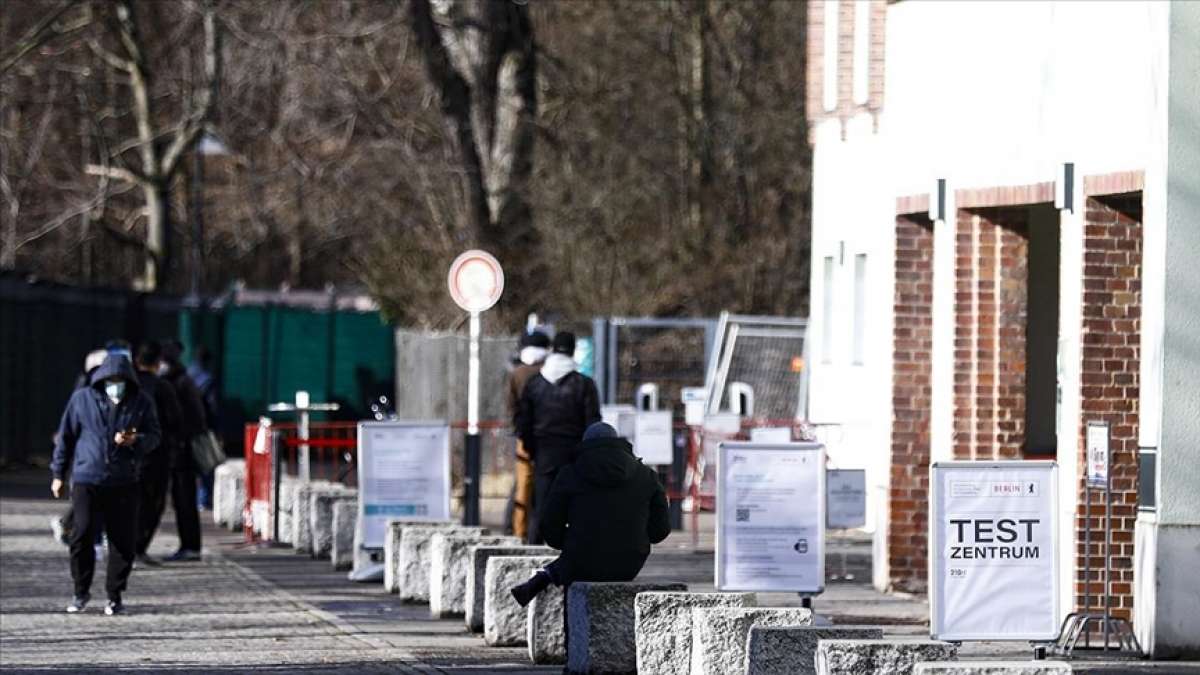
(606, 461)
(115, 365)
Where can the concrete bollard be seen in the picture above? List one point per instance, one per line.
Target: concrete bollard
(391, 548)
(476, 576)
(887, 657)
(229, 493)
(413, 568)
(719, 634)
(600, 617)
(301, 506)
(993, 668)
(503, 619)
(288, 491)
(793, 649)
(449, 558)
(321, 519)
(544, 629)
(663, 627)
(345, 522)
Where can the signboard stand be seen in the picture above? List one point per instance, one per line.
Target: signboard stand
(1076, 625)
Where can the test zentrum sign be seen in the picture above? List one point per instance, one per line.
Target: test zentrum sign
(993, 551)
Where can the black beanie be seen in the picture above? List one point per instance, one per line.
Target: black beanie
(564, 343)
(535, 339)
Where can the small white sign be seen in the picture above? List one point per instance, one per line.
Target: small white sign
(1097, 453)
(695, 405)
(622, 418)
(653, 439)
(771, 517)
(403, 472)
(846, 498)
(993, 551)
(771, 435)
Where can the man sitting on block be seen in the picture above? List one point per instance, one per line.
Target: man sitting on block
(605, 510)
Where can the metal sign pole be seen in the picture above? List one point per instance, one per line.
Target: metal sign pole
(304, 470)
(1107, 536)
(1087, 557)
(471, 457)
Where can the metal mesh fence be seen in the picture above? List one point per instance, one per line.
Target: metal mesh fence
(671, 357)
(767, 355)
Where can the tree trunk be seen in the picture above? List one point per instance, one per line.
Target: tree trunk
(158, 235)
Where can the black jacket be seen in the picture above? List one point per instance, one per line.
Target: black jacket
(552, 416)
(192, 421)
(90, 421)
(170, 415)
(604, 511)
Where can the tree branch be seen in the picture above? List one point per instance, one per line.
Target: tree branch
(117, 173)
(43, 32)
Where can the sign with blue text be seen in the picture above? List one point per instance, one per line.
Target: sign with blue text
(993, 550)
(403, 473)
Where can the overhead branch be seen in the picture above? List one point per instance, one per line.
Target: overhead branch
(189, 129)
(47, 29)
(117, 173)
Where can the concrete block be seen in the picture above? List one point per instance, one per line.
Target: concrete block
(503, 619)
(719, 634)
(992, 668)
(287, 497)
(391, 548)
(793, 649)
(229, 493)
(345, 522)
(545, 632)
(663, 627)
(476, 573)
(321, 519)
(600, 635)
(414, 564)
(301, 505)
(888, 657)
(449, 558)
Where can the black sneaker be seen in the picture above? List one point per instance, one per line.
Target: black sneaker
(78, 603)
(526, 592)
(114, 607)
(183, 555)
(148, 560)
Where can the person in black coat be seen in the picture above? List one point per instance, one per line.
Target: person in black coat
(183, 469)
(156, 471)
(106, 431)
(556, 406)
(604, 511)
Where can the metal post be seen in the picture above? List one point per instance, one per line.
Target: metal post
(471, 457)
(1087, 560)
(277, 480)
(303, 469)
(1108, 539)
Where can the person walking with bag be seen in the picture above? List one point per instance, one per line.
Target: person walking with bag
(534, 347)
(106, 431)
(183, 467)
(156, 471)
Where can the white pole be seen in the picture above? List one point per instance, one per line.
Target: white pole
(473, 378)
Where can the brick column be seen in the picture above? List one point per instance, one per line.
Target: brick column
(911, 397)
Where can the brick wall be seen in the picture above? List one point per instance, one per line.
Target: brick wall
(1111, 336)
(911, 398)
(814, 74)
(990, 304)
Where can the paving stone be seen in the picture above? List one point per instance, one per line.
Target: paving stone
(503, 619)
(391, 548)
(345, 522)
(719, 634)
(888, 657)
(321, 519)
(301, 505)
(476, 574)
(229, 493)
(993, 668)
(413, 567)
(793, 649)
(544, 629)
(663, 627)
(601, 637)
(449, 558)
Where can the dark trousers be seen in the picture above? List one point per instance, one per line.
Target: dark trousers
(183, 500)
(541, 494)
(115, 509)
(156, 481)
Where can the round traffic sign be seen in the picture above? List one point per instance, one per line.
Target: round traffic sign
(476, 280)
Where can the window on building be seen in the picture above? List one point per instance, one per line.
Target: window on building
(860, 308)
(830, 56)
(827, 313)
(862, 51)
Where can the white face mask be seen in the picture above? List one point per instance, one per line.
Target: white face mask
(163, 369)
(115, 389)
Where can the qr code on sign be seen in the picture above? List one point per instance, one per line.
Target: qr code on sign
(743, 516)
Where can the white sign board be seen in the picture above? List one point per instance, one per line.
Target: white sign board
(403, 472)
(771, 435)
(845, 498)
(1097, 453)
(653, 439)
(695, 405)
(771, 517)
(622, 418)
(993, 551)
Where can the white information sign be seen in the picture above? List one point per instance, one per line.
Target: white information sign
(846, 498)
(622, 418)
(771, 517)
(1097, 453)
(403, 472)
(771, 435)
(993, 550)
(653, 439)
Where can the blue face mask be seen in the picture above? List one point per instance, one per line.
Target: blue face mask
(115, 389)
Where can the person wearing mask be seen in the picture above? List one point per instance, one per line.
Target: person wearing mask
(534, 347)
(557, 405)
(105, 432)
(156, 470)
(61, 526)
(200, 370)
(183, 472)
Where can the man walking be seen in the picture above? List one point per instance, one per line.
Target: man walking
(183, 472)
(534, 347)
(556, 406)
(105, 432)
(156, 469)
(200, 371)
